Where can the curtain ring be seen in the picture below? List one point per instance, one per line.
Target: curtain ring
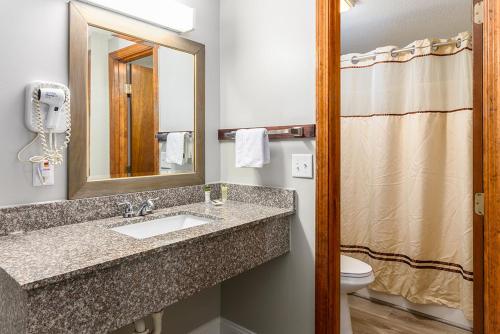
(459, 43)
(354, 60)
(413, 48)
(434, 47)
(393, 54)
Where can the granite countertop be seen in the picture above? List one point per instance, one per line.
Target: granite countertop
(42, 257)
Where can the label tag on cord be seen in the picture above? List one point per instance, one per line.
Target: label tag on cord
(43, 174)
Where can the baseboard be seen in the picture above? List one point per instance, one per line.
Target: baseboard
(211, 327)
(229, 327)
(221, 326)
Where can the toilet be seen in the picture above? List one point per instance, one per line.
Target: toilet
(354, 275)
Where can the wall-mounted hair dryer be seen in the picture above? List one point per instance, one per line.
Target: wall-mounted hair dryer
(54, 98)
(47, 107)
(48, 114)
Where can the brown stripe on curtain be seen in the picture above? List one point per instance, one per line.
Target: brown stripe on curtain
(416, 264)
(410, 113)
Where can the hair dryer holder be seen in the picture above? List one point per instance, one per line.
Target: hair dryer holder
(30, 112)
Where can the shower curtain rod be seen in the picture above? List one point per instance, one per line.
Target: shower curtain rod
(411, 49)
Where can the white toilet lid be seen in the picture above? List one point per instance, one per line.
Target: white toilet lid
(350, 267)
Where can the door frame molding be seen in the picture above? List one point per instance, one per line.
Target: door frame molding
(478, 175)
(327, 167)
(486, 89)
(491, 149)
(118, 106)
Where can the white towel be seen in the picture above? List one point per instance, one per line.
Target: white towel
(163, 155)
(252, 148)
(176, 148)
(189, 147)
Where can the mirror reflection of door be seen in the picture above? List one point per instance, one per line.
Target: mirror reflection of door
(144, 121)
(141, 107)
(133, 111)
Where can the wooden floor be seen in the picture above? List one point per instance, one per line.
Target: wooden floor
(372, 318)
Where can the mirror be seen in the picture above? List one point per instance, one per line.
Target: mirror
(138, 117)
(141, 107)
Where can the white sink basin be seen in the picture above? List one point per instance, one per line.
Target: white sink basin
(160, 226)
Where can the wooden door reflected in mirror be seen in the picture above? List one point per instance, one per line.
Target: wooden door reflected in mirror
(143, 124)
(133, 112)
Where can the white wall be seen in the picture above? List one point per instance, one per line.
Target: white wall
(37, 41)
(268, 78)
(375, 23)
(35, 47)
(176, 90)
(207, 29)
(99, 105)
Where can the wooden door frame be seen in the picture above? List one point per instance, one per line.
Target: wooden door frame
(118, 104)
(327, 167)
(486, 99)
(478, 175)
(491, 149)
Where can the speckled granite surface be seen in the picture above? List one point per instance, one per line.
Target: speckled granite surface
(84, 278)
(40, 257)
(45, 215)
(58, 213)
(112, 298)
(267, 196)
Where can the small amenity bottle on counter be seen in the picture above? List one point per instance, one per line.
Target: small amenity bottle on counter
(207, 188)
(223, 191)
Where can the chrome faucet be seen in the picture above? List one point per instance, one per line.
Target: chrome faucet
(129, 209)
(147, 207)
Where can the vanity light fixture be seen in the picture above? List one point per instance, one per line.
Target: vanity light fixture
(168, 14)
(345, 5)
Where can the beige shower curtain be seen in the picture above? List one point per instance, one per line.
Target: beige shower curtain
(407, 171)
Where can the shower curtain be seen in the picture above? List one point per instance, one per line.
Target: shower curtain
(406, 200)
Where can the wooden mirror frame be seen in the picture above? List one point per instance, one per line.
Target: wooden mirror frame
(82, 16)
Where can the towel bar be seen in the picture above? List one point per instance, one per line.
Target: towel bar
(276, 132)
(162, 136)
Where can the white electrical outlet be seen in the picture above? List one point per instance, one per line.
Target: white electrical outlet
(43, 174)
(302, 166)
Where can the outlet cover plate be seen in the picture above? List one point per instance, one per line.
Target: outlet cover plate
(43, 174)
(302, 166)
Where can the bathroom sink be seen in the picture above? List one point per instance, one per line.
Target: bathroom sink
(160, 226)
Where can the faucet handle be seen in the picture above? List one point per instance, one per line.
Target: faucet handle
(151, 202)
(126, 203)
(129, 209)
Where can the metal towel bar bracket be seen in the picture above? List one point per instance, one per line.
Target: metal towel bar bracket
(295, 131)
(277, 132)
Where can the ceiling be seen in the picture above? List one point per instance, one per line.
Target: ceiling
(375, 23)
